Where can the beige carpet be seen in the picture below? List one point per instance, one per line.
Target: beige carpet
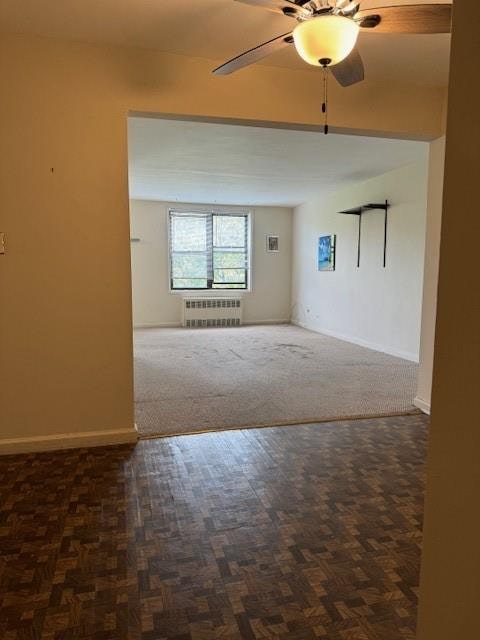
(190, 380)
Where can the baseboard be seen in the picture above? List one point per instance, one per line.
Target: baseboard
(171, 325)
(413, 357)
(422, 404)
(275, 321)
(68, 441)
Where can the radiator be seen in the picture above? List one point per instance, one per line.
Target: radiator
(212, 312)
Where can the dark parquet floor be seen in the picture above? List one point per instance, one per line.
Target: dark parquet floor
(292, 533)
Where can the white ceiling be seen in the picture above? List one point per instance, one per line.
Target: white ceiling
(219, 30)
(196, 162)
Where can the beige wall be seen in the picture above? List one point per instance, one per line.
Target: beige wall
(371, 306)
(65, 320)
(450, 579)
(430, 277)
(155, 305)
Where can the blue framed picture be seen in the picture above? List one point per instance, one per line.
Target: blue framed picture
(326, 253)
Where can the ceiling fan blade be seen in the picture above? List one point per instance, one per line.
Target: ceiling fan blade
(347, 5)
(411, 18)
(349, 71)
(254, 55)
(285, 7)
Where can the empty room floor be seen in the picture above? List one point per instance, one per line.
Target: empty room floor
(189, 380)
(295, 533)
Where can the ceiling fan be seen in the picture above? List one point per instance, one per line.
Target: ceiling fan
(327, 30)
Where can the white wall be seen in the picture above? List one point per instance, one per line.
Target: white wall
(430, 280)
(376, 307)
(155, 305)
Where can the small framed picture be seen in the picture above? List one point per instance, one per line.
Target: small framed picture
(272, 244)
(326, 253)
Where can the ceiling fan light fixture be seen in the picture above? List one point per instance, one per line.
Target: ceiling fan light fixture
(328, 37)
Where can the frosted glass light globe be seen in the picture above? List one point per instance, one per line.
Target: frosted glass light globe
(325, 38)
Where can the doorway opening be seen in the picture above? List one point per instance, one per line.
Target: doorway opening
(241, 318)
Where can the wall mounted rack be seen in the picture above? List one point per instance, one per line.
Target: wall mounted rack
(359, 211)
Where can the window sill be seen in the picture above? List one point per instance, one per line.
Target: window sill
(209, 293)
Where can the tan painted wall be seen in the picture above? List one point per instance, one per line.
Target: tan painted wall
(430, 272)
(450, 580)
(65, 320)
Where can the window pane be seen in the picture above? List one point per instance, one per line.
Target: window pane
(229, 231)
(229, 260)
(188, 233)
(229, 275)
(208, 250)
(188, 283)
(188, 265)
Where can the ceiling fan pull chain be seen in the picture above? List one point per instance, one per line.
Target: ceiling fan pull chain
(325, 98)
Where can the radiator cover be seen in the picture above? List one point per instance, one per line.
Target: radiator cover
(212, 312)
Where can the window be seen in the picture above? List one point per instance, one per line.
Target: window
(209, 250)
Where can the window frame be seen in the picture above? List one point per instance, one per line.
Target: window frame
(210, 290)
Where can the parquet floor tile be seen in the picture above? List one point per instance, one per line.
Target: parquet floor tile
(293, 533)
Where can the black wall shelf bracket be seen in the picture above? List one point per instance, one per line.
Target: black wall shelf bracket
(359, 211)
